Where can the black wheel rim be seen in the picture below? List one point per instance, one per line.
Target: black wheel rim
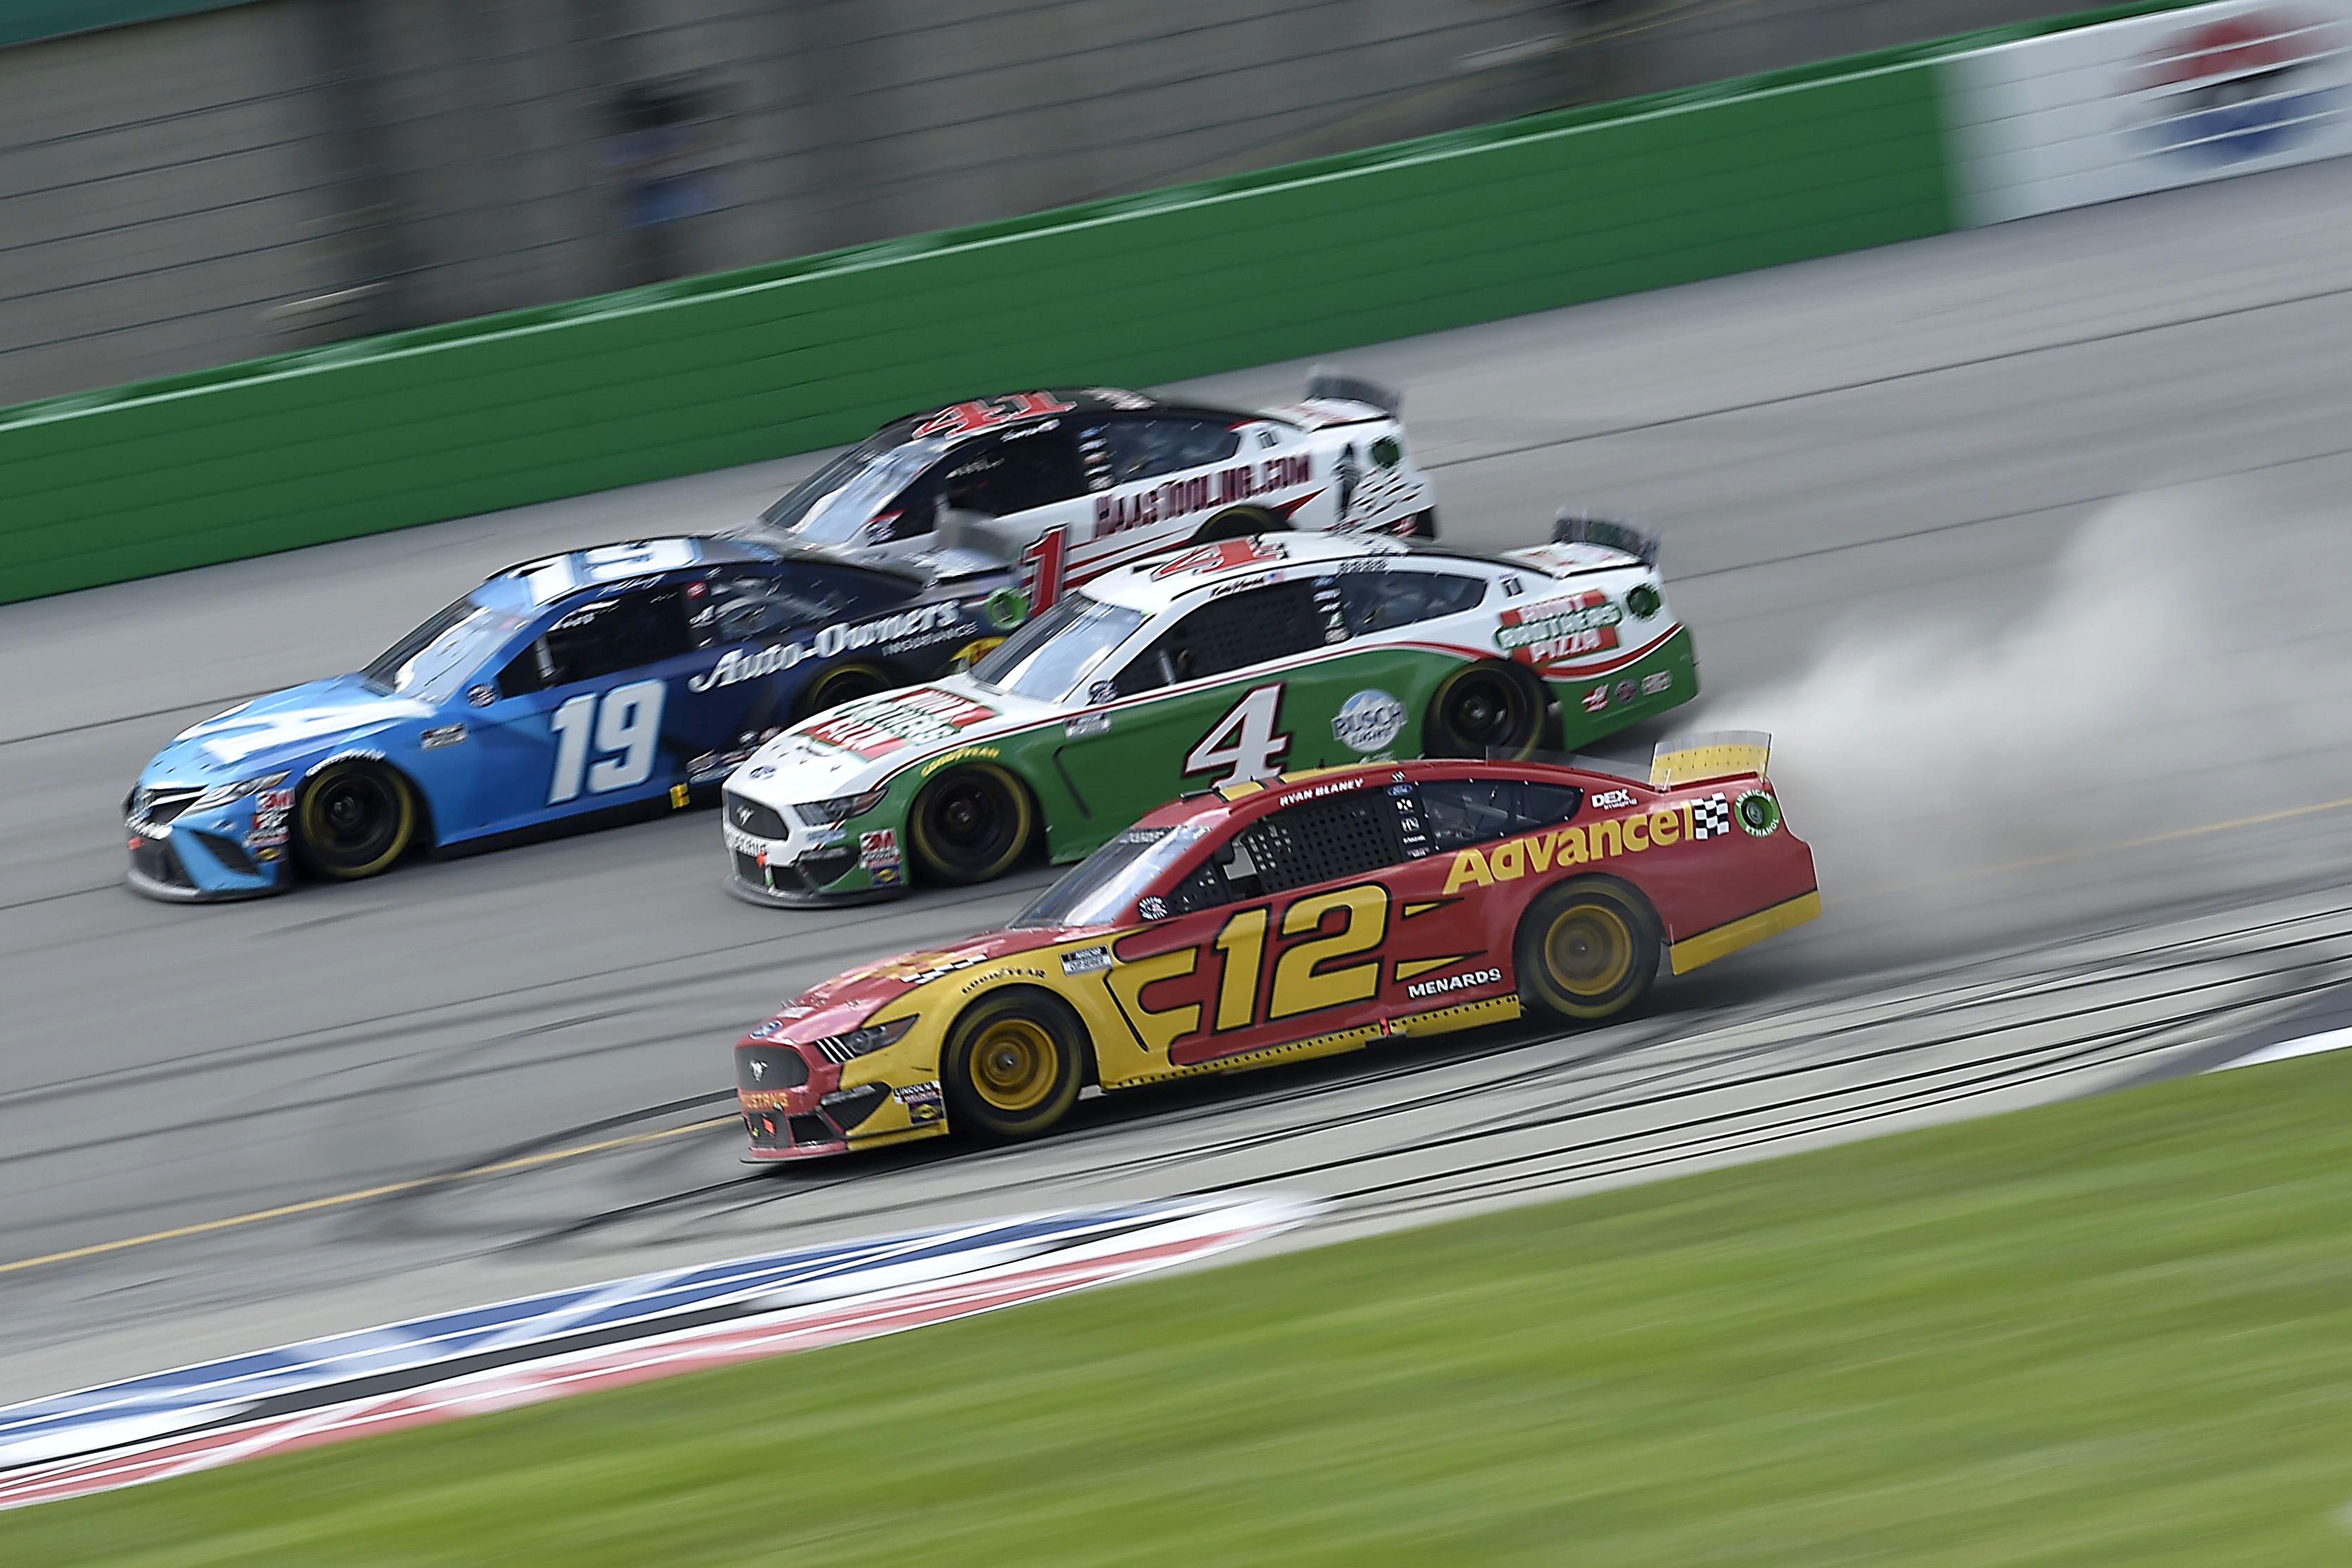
(359, 814)
(969, 820)
(1486, 710)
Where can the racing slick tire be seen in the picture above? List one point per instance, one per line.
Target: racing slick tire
(1238, 523)
(844, 683)
(971, 824)
(1586, 949)
(1490, 709)
(354, 819)
(1013, 1066)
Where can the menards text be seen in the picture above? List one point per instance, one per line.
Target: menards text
(1242, 481)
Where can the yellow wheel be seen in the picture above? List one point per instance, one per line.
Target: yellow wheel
(971, 824)
(1013, 1065)
(353, 819)
(1586, 950)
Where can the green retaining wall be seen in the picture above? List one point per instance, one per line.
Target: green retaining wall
(1308, 259)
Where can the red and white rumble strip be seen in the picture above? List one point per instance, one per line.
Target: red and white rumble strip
(526, 1351)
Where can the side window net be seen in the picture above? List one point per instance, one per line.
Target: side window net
(1317, 841)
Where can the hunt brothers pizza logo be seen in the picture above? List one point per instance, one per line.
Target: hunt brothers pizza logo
(1559, 630)
(877, 727)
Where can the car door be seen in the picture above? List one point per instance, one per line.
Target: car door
(1210, 701)
(1289, 918)
(1477, 851)
(594, 712)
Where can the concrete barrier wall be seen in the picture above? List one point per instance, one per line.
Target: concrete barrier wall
(1311, 259)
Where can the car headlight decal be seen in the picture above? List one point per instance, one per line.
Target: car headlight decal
(839, 1049)
(840, 808)
(223, 794)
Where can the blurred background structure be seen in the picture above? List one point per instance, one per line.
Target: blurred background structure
(185, 183)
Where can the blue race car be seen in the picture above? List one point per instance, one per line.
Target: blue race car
(570, 691)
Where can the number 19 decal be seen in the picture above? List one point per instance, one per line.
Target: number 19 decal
(629, 724)
(1302, 983)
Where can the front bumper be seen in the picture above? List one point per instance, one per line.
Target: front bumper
(819, 1117)
(199, 859)
(806, 866)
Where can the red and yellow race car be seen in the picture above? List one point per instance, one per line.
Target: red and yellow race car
(1305, 916)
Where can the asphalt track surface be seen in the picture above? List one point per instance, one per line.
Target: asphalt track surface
(2079, 817)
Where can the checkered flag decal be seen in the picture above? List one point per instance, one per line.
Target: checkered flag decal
(1711, 817)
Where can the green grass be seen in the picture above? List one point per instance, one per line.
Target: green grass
(2113, 1332)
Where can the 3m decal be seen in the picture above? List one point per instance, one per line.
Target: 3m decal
(1606, 840)
(1243, 744)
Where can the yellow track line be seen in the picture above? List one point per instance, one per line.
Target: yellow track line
(309, 1206)
(2175, 834)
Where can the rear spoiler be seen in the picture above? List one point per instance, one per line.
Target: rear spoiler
(1331, 383)
(1710, 755)
(1580, 528)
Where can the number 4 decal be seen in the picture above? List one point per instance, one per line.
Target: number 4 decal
(1243, 740)
(629, 724)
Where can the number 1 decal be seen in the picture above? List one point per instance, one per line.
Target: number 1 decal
(1243, 740)
(629, 724)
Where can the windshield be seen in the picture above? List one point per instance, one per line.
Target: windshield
(430, 661)
(832, 505)
(1046, 658)
(1100, 887)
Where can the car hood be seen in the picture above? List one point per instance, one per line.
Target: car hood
(848, 999)
(858, 745)
(282, 728)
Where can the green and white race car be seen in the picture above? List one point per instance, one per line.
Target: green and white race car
(1230, 661)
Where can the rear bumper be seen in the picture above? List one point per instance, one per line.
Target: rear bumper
(1707, 946)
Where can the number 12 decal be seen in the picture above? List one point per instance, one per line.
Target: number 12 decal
(1301, 984)
(1243, 740)
(629, 724)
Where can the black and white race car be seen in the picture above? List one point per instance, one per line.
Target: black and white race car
(1065, 484)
